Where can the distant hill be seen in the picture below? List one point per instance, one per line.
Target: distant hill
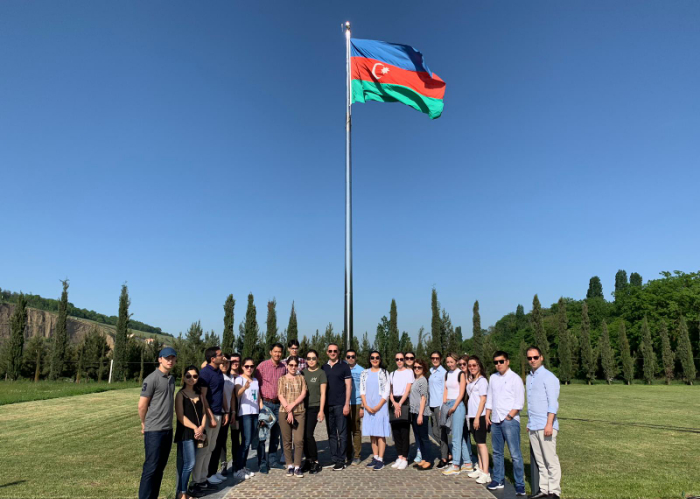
(51, 305)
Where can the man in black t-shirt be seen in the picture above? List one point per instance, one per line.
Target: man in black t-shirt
(338, 405)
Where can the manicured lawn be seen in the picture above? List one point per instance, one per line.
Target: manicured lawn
(26, 391)
(90, 445)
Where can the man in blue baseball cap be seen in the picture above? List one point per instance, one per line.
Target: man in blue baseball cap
(156, 413)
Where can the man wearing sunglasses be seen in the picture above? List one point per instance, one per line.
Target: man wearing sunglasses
(338, 398)
(354, 445)
(542, 424)
(504, 401)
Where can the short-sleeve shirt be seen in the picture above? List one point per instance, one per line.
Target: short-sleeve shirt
(229, 381)
(290, 389)
(419, 389)
(160, 388)
(248, 403)
(399, 381)
(356, 372)
(213, 380)
(437, 385)
(268, 374)
(475, 390)
(314, 380)
(336, 374)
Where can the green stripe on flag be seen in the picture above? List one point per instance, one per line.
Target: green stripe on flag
(363, 91)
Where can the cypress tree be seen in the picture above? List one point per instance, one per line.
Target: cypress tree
(15, 343)
(34, 353)
(363, 352)
(292, 330)
(684, 353)
(522, 354)
(540, 334)
(449, 343)
(121, 336)
(436, 340)
(227, 340)
(490, 348)
(60, 343)
(666, 353)
(595, 288)
(626, 355)
(477, 335)
(393, 340)
(648, 353)
(194, 344)
(607, 358)
(620, 284)
(520, 316)
(587, 359)
(405, 344)
(271, 336)
(421, 347)
(635, 280)
(565, 365)
(141, 367)
(250, 335)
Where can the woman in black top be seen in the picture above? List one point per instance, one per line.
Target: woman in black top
(189, 432)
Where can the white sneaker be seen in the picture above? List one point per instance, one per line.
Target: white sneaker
(484, 478)
(474, 474)
(248, 473)
(214, 479)
(396, 464)
(403, 464)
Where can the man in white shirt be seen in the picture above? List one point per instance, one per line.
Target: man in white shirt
(504, 401)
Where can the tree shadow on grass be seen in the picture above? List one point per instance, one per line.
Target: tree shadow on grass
(10, 484)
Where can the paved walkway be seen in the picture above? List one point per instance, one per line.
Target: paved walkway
(357, 481)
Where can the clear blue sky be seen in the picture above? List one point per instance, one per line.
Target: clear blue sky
(196, 149)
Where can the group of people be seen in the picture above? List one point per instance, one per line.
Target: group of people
(285, 398)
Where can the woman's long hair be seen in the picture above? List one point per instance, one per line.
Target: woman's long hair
(196, 387)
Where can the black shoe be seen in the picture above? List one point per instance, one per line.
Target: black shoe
(441, 464)
(306, 467)
(207, 486)
(339, 467)
(539, 495)
(196, 492)
(290, 472)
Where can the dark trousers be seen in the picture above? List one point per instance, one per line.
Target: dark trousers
(310, 448)
(220, 447)
(401, 433)
(235, 444)
(420, 433)
(337, 433)
(157, 445)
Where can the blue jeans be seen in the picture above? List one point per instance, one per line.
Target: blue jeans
(157, 445)
(186, 453)
(248, 425)
(467, 437)
(274, 438)
(337, 433)
(420, 433)
(507, 432)
(460, 450)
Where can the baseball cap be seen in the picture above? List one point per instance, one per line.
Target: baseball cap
(167, 352)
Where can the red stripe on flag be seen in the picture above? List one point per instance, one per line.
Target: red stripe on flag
(381, 72)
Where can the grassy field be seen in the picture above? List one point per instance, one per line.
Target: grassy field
(27, 391)
(90, 445)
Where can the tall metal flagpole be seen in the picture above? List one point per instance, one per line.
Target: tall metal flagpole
(348, 193)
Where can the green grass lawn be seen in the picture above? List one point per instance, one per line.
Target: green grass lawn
(90, 445)
(26, 391)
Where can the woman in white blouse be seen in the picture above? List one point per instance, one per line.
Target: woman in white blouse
(401, 381)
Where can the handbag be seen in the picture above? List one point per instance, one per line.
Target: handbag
(205, 441)
(404, 414)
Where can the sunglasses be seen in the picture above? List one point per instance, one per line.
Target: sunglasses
(409, 358)
(415, 368)
(191, 376)
(249, 367)
(291, 364)
(375, 357)
(434, 358)
(500, 361)
(472, 365)
(311, 358)
(332, 351)
(235, 362)
(462, 364)
(534, 357)
(399, 359)
(349, 356)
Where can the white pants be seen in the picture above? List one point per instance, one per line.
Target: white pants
(201, 464)
(545, 452)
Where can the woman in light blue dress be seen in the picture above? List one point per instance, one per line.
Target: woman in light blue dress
(374, 390)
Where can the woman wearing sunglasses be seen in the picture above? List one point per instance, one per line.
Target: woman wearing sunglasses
(477, 389)
(420, 412)
(374, 391)
(191, 420)
(455, 386)
(316, 384)
(401, 381)
(471, 467)
(291, 390)
(247, 391)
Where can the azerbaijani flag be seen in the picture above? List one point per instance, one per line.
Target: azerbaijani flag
(389, 72)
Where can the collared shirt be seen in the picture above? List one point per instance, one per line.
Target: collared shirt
(542, 398)
(213, 380)
(336, 374)
(160, 388)
(268, 375)
(300, 367)
(437, 385)
(506, 392)
(356, 372)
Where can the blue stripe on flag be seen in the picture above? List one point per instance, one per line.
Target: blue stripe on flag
(401, 56)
